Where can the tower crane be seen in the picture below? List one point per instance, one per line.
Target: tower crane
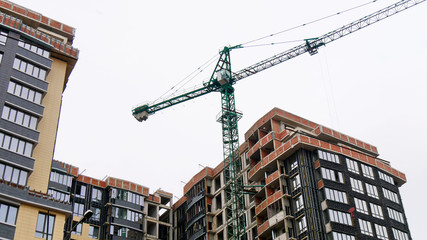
(222, 80)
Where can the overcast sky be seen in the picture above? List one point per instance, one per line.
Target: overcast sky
(370, 85)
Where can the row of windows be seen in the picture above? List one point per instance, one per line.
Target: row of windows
(64, 197)
(127, 196)
(16, 145)
(24, 92)
(126, 214)
(342, 236)
(29, 69)
(328, 156)
(8, 214)
(366, 228)
(335, 195)
(20, 118)
(61, 178)
(13, 175)
(357, 186)
(34, 49)
(386, 177)
(332, 175)
(125, 232)
(340, 217)
(353, 167)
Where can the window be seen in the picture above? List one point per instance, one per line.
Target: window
(328, 156)
(376, 211)
(78, 229)
(294, 165)
(34, 49)
(356, 185)
(24, 92)
(8, 214)
(335, 195)
(395, 215)
(127, 214)
(96, 195)
(3, 37)
(125, 232)
(352, 166)
(96, 214)
(296, 182)
(367, 171)
(381, 232)
(299, 203)
(340, 217)
(1, 56)
(78, 209)
(399, 235)
(80, 191)
(372, 190)
(302, 225)
(392, 196)
(366, 227)
(386, 178)
(61, 178)
(44, 227)
(29, 69)
(361, 206)
(65, 197)
(19, 117)
(342, 236)
(93, 232)
(16, 145)
(332, 175)
(13, 175)
(127, 196)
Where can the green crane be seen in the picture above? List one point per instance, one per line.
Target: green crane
(223, 79)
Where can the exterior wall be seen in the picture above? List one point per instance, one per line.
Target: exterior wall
(27, 219)
(48, 126)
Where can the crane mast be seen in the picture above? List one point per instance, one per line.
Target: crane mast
(223, 79)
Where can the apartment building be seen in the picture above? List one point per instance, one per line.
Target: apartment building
(36, 59)
(308, 182)
(121, 209)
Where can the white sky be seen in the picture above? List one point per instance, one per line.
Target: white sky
(368, 85)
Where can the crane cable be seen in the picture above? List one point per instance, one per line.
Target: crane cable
(305, 24)
(210, 61)
(196, 72)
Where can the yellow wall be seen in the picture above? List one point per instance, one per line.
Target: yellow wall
(43, 152)
(27, 220)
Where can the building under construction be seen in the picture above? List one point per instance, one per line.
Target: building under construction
(300, 180)
(312, 183)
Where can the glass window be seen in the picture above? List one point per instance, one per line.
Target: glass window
(390, 195)
(299, 203)
(361, 206)
(399, 235)
(381, 232)
(22, 178)
(93, 232)
(5, 113)
(340, 217)
(386, 177)
(78, 229)
(366, 227)
(15, 176)
(8, 213)
(302, 225)
(44, 227)
(395, 215)
(342, 236)
(376, 211)
(8, 173)
(28, 149)
(335, 195)
(372, 190)
(352, 166)
(331, 157)
(356, 185)
(367, 171)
